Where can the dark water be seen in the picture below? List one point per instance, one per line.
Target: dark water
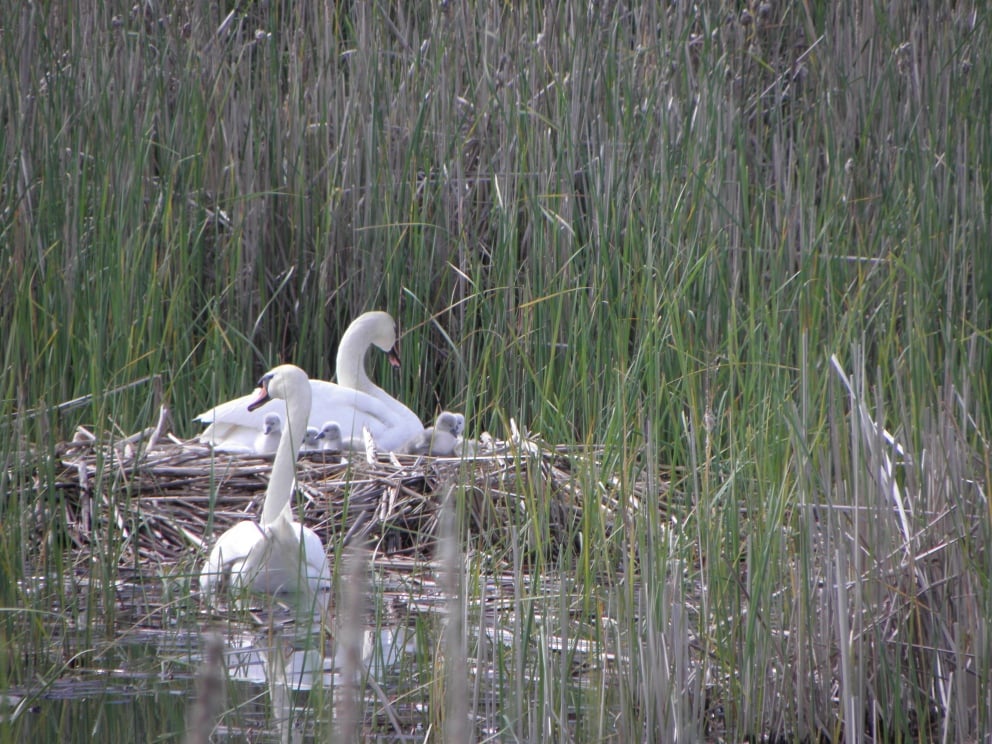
(93, 667)
(146, 687)
(146, 662)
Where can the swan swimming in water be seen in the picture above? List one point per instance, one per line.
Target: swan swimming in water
(355, 402)
(277, 554)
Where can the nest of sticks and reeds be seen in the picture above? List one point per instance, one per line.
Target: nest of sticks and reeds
(166, 497)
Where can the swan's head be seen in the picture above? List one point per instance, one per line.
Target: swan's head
(272, 424)
(312, 436)
(284, 382)
(450, 422)
(379, 329)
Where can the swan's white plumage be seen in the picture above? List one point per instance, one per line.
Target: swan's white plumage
(232, 427)
(354, 403)
(277, 554)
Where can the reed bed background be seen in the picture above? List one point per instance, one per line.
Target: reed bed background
(742, 243)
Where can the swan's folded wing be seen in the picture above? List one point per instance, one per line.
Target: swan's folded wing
(318, 568)
(236, 411)
(231, 427)
(231, 548)
(231, 438)
(353, 410)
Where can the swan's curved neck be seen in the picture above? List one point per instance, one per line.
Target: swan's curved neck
(280, 489)
(350, 366)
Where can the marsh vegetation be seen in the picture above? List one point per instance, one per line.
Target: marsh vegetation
(726, 264)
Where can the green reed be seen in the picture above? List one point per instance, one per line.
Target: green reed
(647, 228)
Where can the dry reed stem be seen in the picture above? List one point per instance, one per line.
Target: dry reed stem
(177, 496)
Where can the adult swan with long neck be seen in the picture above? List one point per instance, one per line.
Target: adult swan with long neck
(277, 554)
(355, 402)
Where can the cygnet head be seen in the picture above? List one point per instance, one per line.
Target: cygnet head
(450, 422)
(330, 436)
(272, 424)
(311, 440)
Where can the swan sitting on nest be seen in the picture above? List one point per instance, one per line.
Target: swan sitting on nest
(355, 402)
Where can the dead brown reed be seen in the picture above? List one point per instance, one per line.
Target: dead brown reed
(171, 499)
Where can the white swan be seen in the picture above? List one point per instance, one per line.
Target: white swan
(355, 402)
(375, 327)
(267, 440)
(439, 440)
(277, 554)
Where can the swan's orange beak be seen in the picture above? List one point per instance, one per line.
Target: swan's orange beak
(262, 396)
(394, 355)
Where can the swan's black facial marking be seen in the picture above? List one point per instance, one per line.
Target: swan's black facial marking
(394, 353)
(263, 393)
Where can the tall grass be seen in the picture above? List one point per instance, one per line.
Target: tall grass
(649, 226)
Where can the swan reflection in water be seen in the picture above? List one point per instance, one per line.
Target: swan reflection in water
(303, 666)
(290, 662)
